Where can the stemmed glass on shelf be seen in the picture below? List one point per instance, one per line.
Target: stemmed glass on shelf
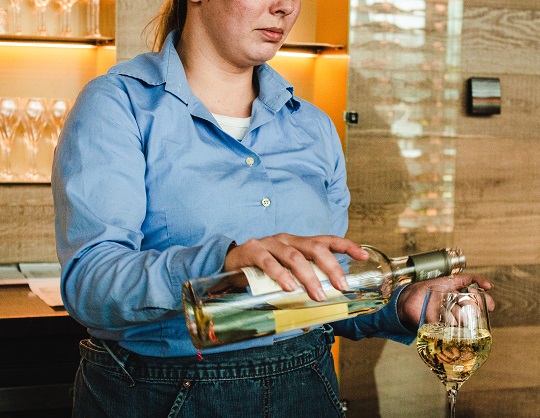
(66, 6)
(93, 19)
(16, 13)
(36, 117)
(454, 338)
(10, 117)
(58, 110)
(42, 24)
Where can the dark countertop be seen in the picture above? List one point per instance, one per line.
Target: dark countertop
(23, 314)
(39, 351)
(20, 302)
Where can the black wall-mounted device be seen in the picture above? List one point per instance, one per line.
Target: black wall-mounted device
(483, 96)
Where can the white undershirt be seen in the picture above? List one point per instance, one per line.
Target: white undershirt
(235, 127)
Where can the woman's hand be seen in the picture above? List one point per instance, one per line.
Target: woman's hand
(276, 253)
(411, 299)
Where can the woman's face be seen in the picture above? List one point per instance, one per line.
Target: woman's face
(245, 32)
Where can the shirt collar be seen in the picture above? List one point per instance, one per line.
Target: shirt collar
(166, 68)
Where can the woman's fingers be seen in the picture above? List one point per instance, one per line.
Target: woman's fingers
(283, 256)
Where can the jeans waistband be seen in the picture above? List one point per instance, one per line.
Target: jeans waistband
(283, 356)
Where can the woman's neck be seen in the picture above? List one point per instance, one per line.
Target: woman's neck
(223, 88)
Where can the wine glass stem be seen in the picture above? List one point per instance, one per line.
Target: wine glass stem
(33, 161)
(93, 18)
(66, 21)
(452, 396)
(17, 20)
(8, 162)
(42, 25)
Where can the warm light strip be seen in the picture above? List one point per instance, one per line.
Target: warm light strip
(296, 54)
(340, 56)
(46, 45)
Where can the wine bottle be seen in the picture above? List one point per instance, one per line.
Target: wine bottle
(245, 304)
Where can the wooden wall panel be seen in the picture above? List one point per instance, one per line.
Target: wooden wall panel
(132, 16)
(496, 216)
(497, 200)
(520, 109)
(499, 37)
(26, 224)
(386, 379)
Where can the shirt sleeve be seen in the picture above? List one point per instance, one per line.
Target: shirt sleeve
(382, 324)
(99, 193)
(338, 193)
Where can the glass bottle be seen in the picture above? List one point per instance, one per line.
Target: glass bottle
(245, 304)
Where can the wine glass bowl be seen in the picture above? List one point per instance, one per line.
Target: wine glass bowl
(36, 117)
(454, 337)
(16, 16)
(10, 115)
(58, 109)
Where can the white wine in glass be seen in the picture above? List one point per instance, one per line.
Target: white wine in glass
(454, 338)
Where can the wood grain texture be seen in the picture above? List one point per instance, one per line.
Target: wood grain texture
(516, 290)
(497, 204)
(532, 5)
(520, 107)
(398, 384)
(496, 218)
(496, 40)
(132, 18)
(26, 224)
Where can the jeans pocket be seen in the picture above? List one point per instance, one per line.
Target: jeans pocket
(324, 370)
(90, 345)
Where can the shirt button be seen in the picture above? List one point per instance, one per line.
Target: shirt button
(250, 160)
(265, 202)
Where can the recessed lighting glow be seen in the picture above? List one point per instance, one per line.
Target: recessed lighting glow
(47, 45)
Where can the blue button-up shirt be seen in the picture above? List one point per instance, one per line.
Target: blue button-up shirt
(149, 192)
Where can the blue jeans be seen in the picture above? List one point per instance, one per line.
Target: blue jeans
(294, 378)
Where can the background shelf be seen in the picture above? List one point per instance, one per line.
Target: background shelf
(103, 40)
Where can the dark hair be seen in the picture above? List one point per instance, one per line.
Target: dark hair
(171, 16)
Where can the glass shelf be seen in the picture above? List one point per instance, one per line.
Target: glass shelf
(317, 48)
(313, 47)
(99, 41)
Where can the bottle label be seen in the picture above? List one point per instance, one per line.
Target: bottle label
(430, 274)
(261, 284)
(288, 319)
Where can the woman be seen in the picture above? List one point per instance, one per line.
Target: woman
(184, 163)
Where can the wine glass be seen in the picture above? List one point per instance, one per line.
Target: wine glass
(3, 21)
(93, 19)
(58, 109)
(454, 338)
(16, 16)
(10, 114)
(66, 6)
(42, 23)
(16, 13)
(35, 113)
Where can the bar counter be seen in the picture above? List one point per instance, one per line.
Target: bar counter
(39, 354)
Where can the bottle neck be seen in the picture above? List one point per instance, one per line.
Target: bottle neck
(428, 265)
